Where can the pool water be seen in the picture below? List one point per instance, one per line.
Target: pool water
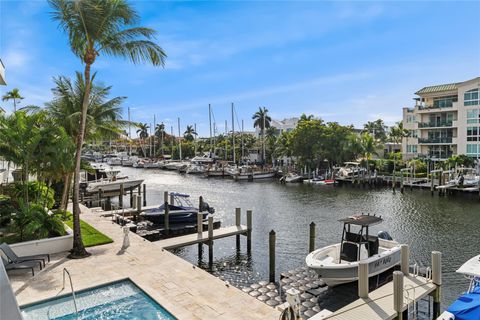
(120, 300)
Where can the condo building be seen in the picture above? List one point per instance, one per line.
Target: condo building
(444, 122)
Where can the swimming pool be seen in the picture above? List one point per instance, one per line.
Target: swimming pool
(115, 301)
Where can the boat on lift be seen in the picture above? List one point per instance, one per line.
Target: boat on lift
(338, 263)
(351, 169)
(467, 306)
(180, 211)
(291, 178)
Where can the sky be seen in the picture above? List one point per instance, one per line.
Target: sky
(349, 62)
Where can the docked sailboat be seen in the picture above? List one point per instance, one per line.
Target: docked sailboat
(338, 263)
(467, 306)
(180, 211)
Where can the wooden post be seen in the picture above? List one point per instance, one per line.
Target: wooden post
(144, 195)
(139, 204)
(363, 280)
(432, 186)
(165, 197)
(199, 232)
(398, 294)
(166, 219)
(200, 203)
(249, 230)
(120, 196)
(405, 256)
(271, 250)
(311, 246)
(401, 181)
(437, 280)
(238, 212)
(134, 202)
(210, 241)
(100, 195)
(131, 198)
(172, 199)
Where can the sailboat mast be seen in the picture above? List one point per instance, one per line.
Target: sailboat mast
(129, 134)
(233, 135)
(243, 155)
(173, 138)
(195, 139)
(179, 140)
(150, 141)
(210, 121)
(263, 135)
(154, 135)
(226, 140)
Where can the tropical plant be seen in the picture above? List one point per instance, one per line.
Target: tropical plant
(97, 27)
(369, 147)
(262, 120)
(397, 133)
(104, 118)
(190, 133)
(377, 129)
(13, 95)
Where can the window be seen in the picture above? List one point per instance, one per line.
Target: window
(473, 149)
(473, 116)
(411, 148)
(444, 102)
(410, 119)
(472, 134)
(471, 98)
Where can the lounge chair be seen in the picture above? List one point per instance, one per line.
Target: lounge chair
(21, 265)
(12, 257)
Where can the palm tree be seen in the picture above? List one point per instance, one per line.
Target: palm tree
(160, 132)
(368, 146)
(262, 121)
(104, 115)
(13, 95)
(189, 133)
(397, 133)
(142, 132)
(97, 27)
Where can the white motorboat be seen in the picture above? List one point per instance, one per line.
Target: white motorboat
(466, 178)
(113, 186)
(153, 165)
(196, 168)
(173, 165)
(338, 263)
(205, 159)
(251, 175)
(467, 306)
(292, 178)
(351, 169)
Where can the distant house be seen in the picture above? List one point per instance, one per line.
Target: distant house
(285, 125)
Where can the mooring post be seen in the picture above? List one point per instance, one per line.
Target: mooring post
(120, 196)
(405, 256)
(165, 197)
(432, 186)
(311, 246)
(134, 202)
(238, 212)
(363, 280)
(100, 195)
(139, 204)
(131, 198)
(271, 251)
(166, 219)
(200, 203)
(398, 294)
(144, 195)
(199, 231)
(437, 280)
(401, 181)
(249, 230)
(172, 199)
(210, 241)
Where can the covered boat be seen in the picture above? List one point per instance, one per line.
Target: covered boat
(180, 211)
(338, 263)
(467, 306)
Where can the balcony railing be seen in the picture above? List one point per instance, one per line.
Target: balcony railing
(435, 140)
(435, 106)
(435, 124)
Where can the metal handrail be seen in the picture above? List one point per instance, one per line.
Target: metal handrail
(71, 287)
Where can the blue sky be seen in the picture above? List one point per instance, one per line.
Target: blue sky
(349, 62)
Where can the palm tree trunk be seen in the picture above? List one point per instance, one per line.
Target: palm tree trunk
(66, 190)
(78, 250)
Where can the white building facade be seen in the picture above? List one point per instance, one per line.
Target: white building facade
(444, 122)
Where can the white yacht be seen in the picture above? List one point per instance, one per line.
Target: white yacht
(338, 263)
(351, 169)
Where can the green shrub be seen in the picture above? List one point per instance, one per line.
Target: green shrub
(6, 209)
(38, 193)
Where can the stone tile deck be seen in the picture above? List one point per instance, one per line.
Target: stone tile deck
(188, 292)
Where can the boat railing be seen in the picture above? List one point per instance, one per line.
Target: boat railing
(410, 301)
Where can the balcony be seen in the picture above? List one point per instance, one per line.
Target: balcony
(2, 73)
(435, 124)
(444, 140)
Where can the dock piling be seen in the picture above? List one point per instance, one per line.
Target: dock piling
(271, 251)
(100, 195)
(134, 201)
(166, 219)
(311, 246)
(172, 202)
(398, 294)
(249, 230)
(139, 204)
(210, 241)
(363, 280)
(238, 212)
(165, 197)
(405, 256)
(144, 195)
(120, 196)
(131, 198)
(437, 280)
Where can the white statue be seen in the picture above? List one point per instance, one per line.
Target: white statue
(126, 240)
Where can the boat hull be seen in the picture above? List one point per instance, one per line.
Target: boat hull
(337, 274)
(254, 176)
(113, 186)
(157, 216)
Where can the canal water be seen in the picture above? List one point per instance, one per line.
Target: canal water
(447, 224)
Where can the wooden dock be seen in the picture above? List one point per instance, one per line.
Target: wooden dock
(203, 237)
(379, 304)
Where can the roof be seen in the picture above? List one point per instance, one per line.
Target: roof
(362, 220)
(443, 87)
(439, 88)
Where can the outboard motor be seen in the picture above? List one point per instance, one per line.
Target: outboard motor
(206, 207)
(384, 235)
